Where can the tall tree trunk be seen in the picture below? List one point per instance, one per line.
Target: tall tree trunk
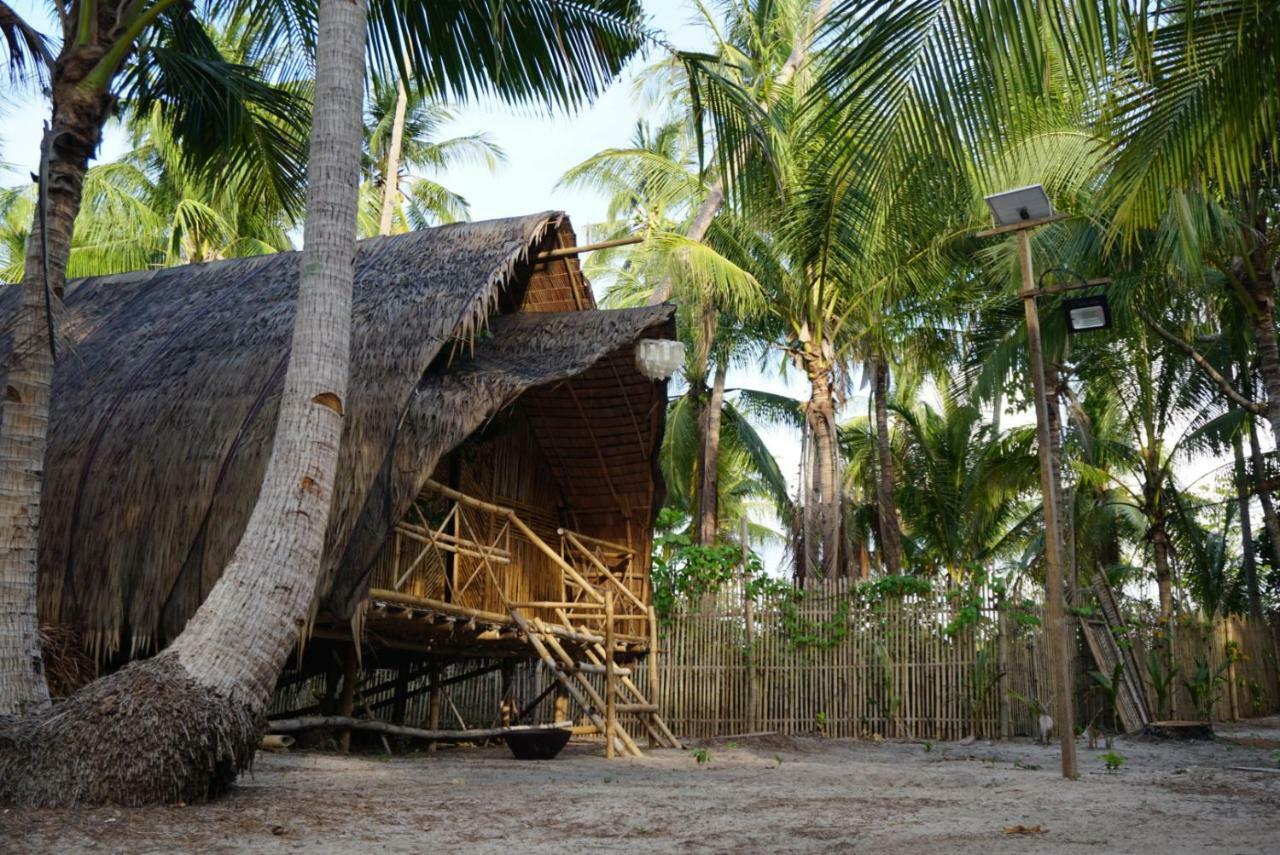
(391, 182)
(180, 726)
(1246, 529)
(1269, 517)
(1054, 384)
(821, 417)
(79, 113)
(709, 459)
(1262, 318)
(886, 501)
(710, 206)
(1164, 575)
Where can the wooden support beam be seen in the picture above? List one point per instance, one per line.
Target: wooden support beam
(289, 725)
(610, 681)
(567, 251)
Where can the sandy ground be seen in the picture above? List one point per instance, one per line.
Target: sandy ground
(767, 794)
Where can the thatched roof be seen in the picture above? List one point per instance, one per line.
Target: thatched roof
(168, 384)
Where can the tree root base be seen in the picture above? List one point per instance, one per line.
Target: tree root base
(147, 734)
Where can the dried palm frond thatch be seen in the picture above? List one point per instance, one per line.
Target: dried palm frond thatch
(168, 384)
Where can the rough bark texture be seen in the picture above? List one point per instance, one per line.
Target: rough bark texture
(1164, 576)
(1264, 333)
(147, 734)
(75, 131)
(886, 503)
(825, 493)
(179, 727)
(238, 640)
(709, 420)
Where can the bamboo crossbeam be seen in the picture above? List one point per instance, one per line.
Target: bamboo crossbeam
(599, 565)
(607, 544)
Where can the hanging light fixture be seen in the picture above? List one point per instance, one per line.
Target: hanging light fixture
(1085, 314)
(659, 358)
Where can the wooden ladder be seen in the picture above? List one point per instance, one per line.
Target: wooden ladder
(1131, 701)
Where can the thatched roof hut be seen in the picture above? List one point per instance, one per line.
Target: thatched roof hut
(168, 384)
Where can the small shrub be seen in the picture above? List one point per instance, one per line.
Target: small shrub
(1113, 760)
(701, 755)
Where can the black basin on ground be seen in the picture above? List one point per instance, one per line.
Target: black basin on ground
(537, 744)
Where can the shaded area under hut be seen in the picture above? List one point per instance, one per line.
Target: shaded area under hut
(496, 486)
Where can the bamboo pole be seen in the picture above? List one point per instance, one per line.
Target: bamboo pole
(347, 701)
(611, 687)
(1054, 594)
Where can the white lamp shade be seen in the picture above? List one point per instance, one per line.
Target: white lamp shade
(659, 358)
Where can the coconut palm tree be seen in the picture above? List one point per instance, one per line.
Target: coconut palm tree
(400, 145)
(144, 53)
(653, 187)
(224, 665)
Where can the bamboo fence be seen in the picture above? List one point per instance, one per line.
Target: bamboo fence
(835, 665)
(831, 664)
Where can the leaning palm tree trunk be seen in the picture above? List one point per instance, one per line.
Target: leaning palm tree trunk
(391, 175)
(180, 726)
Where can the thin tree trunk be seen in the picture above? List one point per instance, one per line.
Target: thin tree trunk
(710, 206)
(1247, 551)
(180, 726)
(1053, 395)
(79, 114)
(709, 421)
(886, 502)
(1269, 516)
(391, 174)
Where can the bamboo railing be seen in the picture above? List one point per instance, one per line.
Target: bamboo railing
(457, 552)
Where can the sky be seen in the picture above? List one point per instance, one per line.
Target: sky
(539, 150)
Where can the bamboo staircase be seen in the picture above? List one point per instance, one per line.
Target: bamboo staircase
(621, 697)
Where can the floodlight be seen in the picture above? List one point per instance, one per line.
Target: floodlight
(1015, 206)
(659, 358)
(1087, 313)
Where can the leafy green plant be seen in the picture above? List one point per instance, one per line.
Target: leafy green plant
(1162, 678)
(1113, 761)
(701, 755)
(1204, 687)
(1110, 685)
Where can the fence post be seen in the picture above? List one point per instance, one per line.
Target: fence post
(749, 629)
(1002, 665)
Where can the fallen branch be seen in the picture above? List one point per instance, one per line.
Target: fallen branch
(287, 725)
